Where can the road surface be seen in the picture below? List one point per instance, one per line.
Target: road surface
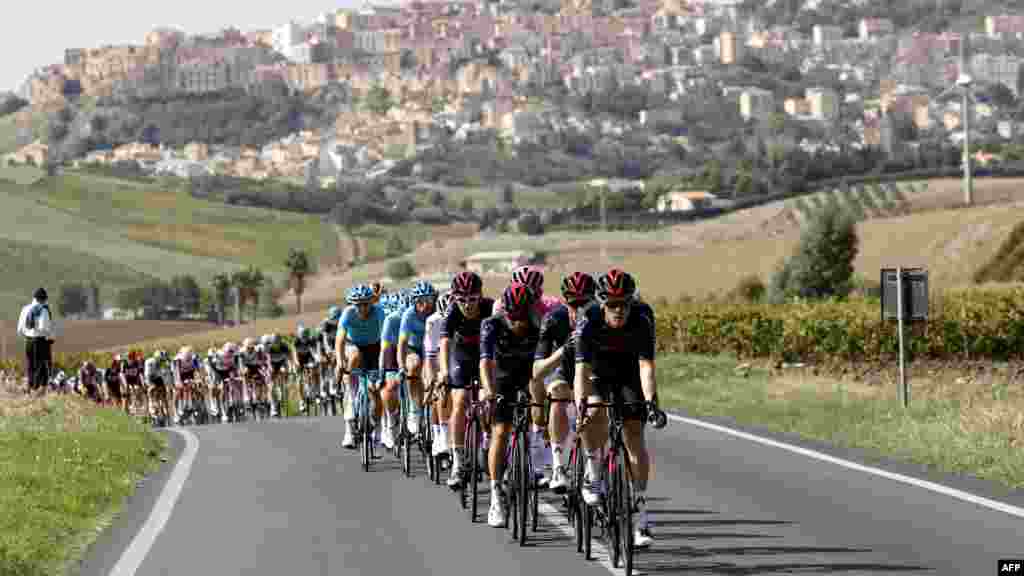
(279, 498)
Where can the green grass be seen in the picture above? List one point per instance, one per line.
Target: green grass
(939, 430)
(23, 175)
(552, 196)
(377, 237)
(27, 266)
(172, 220)
(65, 469)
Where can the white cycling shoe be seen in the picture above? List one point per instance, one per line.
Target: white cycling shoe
(387, 437)
(642, 532)
(349, 441)
(592, 491)
(496, 515)
(559, 483)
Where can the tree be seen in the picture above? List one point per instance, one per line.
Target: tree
(248, 282)
(72, 299)
(466, 205)
(298, 268)
(401, 269)
(435, 198)
(221, 284)
(270, 307)
(378, 100)
(529, 224)
(186, 293)
(822, 264)
(395, 246)
(508, 194)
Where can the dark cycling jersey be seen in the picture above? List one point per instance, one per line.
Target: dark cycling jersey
(614, 355)
(464, 334)
(304, 349)
(132, 373)
(513, 356)
(555, 331)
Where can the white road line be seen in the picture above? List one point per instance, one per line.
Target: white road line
(598, 551)
(925, 484)
(136, 552)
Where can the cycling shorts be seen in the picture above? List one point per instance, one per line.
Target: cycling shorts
(305, 358)
(114, 388)
(156, 382)
(465, 368)
(370, 355)
(509, 389)
(220, 375)
(630, 392)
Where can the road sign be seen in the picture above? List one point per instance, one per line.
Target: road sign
(914, 298)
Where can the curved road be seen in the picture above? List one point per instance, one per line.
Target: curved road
(275, 498)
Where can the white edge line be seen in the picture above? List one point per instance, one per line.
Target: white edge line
(925, 484)
(598, 551)
(136, 552)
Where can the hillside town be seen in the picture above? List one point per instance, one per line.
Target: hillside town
(449, 68)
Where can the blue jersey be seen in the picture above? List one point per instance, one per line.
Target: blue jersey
(362, 332)
(391, 325)
(414, 329)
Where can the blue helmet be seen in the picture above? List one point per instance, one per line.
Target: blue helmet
(402, 300)
(360, 294)
(423, 289)
(333, 314)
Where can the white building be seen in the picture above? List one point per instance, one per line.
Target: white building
(756, 102)
(825, 37)
(285, 37)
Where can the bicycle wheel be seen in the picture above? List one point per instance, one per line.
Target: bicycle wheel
(474, 466)
(613, 504)
(525, 480)
(573, 496)
(513, 485)
(364, 425)
(626, 515)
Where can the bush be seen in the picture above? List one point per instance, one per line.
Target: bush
(401, 269)
(529, 224)
(749, 289)
(822, 265)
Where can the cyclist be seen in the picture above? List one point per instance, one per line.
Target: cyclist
(112, 381)
(460, 358)
(131, 380)
(276, 361)
(251, 363)
(357, 346)
(555, 356)
(394, 306)
(328, 330)
(410, 346)
(89, 381)
(508, 344)
(157, 372)
(615, 341)
(306, 352)
(533, 278)
(223, 365)
(183, 370)
(431, 344)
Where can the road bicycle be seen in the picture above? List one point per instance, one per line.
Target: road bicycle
(312, 396)
(364, 408)
(195, 407)
(523, 491)
(614, 514)
(477, 415)
(405, 439)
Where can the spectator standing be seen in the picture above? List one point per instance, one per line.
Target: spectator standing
(36, 325)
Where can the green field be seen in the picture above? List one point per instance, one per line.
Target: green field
(23, 175)
(377, 237)
(84, 227)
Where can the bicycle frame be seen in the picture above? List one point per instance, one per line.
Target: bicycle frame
(363, 406)
(518, 468)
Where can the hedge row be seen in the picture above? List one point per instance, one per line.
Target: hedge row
(969, 325)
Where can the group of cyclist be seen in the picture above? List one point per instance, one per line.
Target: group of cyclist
(595, 344)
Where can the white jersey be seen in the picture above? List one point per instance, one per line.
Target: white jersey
(152, 368)
(432, 339)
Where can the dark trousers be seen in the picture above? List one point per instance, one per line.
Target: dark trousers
(37, 350)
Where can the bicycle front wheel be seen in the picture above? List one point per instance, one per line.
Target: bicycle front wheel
(525, 480)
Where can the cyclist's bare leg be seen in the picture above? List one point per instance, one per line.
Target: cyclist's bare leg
(457, 423)
(558, 428)
(636, 447)
(413, 368)
(496, 452)
(354, 362)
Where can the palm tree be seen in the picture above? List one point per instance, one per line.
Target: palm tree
(248, 282)
(298, 269)
(221, 284)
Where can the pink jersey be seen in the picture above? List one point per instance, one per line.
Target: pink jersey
(542, 307)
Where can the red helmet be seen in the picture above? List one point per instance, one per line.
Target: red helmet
(616, 284)
(467, 283)
(517, 300)
(531, 277)
(578, 286)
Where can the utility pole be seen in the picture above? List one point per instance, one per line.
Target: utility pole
(964, 81)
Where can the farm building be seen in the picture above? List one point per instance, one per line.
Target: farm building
(498, 262)
(684, 201)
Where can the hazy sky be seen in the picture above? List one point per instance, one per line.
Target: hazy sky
(35, 37)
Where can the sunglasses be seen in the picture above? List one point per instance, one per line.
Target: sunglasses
(620, 305)
(467, 299)
(577, 303)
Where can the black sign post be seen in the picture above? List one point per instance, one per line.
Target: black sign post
(904, 299)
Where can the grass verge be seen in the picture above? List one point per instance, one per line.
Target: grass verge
(966, 425)
(65, 468)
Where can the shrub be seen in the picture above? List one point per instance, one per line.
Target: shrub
(822, 265)
(749, 289)
(401, 269)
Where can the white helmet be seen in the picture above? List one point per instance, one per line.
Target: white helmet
(260, 348)
(266, 340)
(248, 343)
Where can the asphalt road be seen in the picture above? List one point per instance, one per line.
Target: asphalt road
(279, 498)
